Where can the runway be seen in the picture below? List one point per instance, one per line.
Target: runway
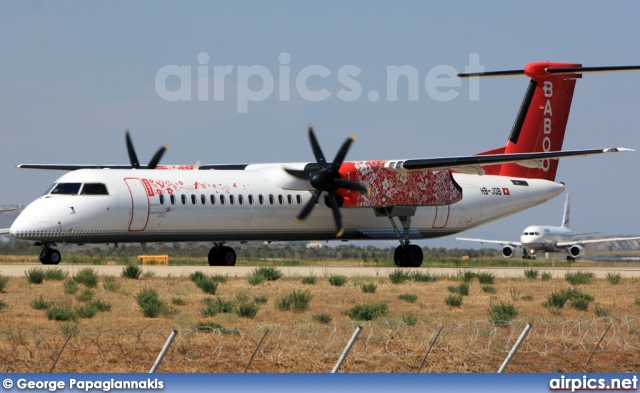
(18, 270)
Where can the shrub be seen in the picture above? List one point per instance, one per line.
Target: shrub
(61, 313)
(85, 295)
(88, 277)
(214, 326)
(367, 312)
(150, 303)
(247, 310)
(55, 274)
(297, 301)
(219, 278)
(579, 277)
(579, 300)
(40, 304)
(531, 274)
(602, 312)
(408, 297)
(453, 301)
(4, 280)
(369, 287)
(467, 276)
(399, 276)
(488, 289)
(486, 277)
(35, 275)
(546, 276)
(219, 305)
(70, 287)
(501, 314)
(461, 289)
(309, 280)
(614, 278)
(197, 275)
(101, 306)
(337, 281)
(410, 319)
(256, 279)
(424, 277)
(3, 305)
(132, 271)
(322, 318)
(208, 285)
(109, 283)
(260, 299)
(86, 311)
(178, 301)
(269, 273)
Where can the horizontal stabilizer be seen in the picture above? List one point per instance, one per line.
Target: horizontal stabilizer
(552, 70)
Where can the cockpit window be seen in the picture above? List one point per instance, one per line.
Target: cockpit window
(49, 189)
(66, 189)
(94, 189)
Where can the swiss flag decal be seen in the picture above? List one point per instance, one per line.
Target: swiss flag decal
(505, 191)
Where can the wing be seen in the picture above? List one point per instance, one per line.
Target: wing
(500, 242)
(464, 164)
(591, 241)
(4, 231)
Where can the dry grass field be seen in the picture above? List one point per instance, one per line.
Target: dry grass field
(218, 333)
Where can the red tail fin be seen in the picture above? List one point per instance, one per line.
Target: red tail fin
(541, 121)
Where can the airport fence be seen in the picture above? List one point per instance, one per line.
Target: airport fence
(602, 345)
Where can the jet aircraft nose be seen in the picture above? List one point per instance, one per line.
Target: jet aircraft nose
(23, 226)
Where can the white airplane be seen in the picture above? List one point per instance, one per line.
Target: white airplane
(536, 238)
(429, 198)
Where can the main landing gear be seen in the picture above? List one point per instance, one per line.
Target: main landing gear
(406, 254)
(221, 255)
(48, 255)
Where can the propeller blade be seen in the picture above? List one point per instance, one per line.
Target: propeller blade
(299, 174)
(337, 217)
(335, 165)
(317, 151)
(156, 158)
(351, 185)
(309, 206)
(133, 158)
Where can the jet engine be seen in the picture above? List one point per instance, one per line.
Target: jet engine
(576, 251)
(508, 252)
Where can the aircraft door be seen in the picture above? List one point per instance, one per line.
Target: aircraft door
(139, 204)
(442, 217)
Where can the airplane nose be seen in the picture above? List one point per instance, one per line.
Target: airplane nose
(23, 226)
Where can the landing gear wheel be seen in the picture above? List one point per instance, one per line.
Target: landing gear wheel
(413, 255)
(398, 256)
(213, 256)
(226, 256)
(49, 256)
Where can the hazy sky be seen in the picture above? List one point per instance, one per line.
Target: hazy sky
(74, 75)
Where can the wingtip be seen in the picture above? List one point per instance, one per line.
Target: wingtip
(352, 137)
(296, 219)
(340, 232)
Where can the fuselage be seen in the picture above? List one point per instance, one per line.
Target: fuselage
(545, 238)
(259, 202)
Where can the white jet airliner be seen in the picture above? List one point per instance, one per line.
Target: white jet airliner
(429, 198)
(536, 238)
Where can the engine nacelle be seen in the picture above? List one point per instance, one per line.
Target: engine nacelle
(576, 251)
(508, 252)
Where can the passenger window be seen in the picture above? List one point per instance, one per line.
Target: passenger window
(173, 199)
(240, 199)
(231, 199)
(203, 199)
(260, 199)
(213, 199)
(280, 199)
(222, 199)
(184, 199)
(271, 199)
(193, 199)
(66, 189)
(298, 199)
(289, 199)
(94, 189)
(161, 199)
(250, 199)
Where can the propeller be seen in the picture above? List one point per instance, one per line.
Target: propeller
(133, 157)
(327, 179)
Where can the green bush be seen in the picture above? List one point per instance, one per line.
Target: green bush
(602, 312)
(214, 327)
(369, 287)
(453, 301)
(40, 304)
(297, 301)
(260, 299)
(86, 311)
(88, 277)
(256, 279)
(208, 285)
(488, 289)
(614, 278)
(322, 318)
(579, 277)
(56, 274)
(337, 280)
(367, 312)
(531, 274)
(467, 276)
(424, 277)
(460, 289)
(486, 277)
(269, 273)
(178, 301)
(309, 280)
(410, 319)
(578, 300)
(85, 295)
(132, 271)
(61, 313)
(4, 280)
(546, 276)
(109, 283)
(408, 297)
(501, 314)
(35, 275)
(197, 275)
(399, 276)
(150, 303)
(247, 310)
(101, 306)
(70, 287)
